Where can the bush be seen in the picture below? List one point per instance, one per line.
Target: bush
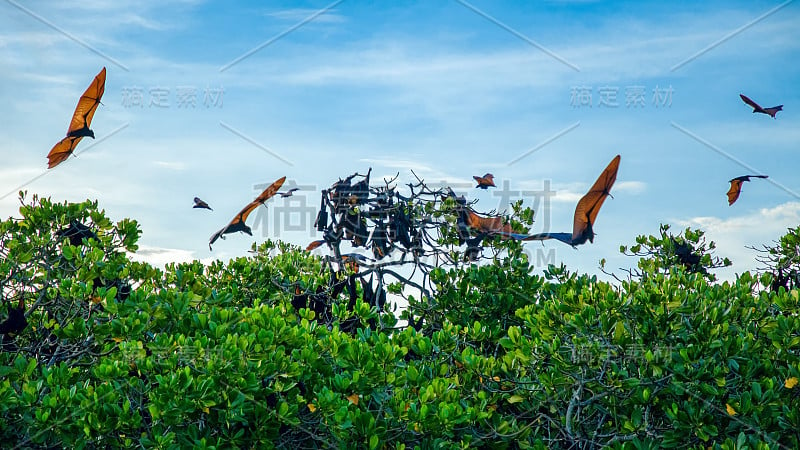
(120, 354)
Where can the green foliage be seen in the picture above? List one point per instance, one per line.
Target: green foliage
(217, 357)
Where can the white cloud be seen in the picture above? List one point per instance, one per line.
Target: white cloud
(735, 234)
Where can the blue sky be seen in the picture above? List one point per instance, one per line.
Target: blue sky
(449, 89)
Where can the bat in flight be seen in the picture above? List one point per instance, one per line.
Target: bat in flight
(736, 186)
(237, 224)
(758, 109)
(201, 204)
(288, 193)
(585, 212)
(485, 181)
(81, 120)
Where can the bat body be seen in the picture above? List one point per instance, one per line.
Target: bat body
(288, 193)
(585, 212)
(736, 186)
(238, 222)
(81, 120)
(485, 181)
(758, 109)
(16, 321)
(76, 232)
(201, 204)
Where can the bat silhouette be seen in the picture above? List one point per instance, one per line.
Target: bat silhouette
(288, 193)
(16, 321)
(585, 212)
(76, 232)
(758, 109)
(485, 181)
(736, 186)
(201, 204)
(237, 224)
(81, 120)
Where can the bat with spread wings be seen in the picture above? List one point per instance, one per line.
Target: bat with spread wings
(288, 193)
(238, 222)
(585, 212)
(485, 181)
(201, 204)
(736, 186)
(81, 120)
(758, 109)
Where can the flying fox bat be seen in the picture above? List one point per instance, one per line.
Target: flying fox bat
(237, 224)
(485, 181)
(736, 186)
(288, 193)
(758, 109)
(585, 212)
(488, 225)
(81, 120)
(16, 321)
(201, 204)
(75, 232)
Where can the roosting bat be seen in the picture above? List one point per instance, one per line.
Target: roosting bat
(758, 109)
(485, 181)
(237, 224)
(76, 232)
(288, 193)
(81, 120)
(736, 186)
(201, 204)
(16, 321)
(586, 211)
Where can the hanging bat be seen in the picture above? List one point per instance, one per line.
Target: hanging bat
(201, 204)
(758, 109)
(485, 181)
(237, 224)
(76, 232)
(16, 321)
(736, 186)
(288, 193)
(81, 120)
(585, 212)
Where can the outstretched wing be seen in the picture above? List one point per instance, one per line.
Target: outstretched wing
(487, 224)
(747, 100)
(734, 191)
(87, 105)
(563, 237)
(263, 197)
(315, 244)
(589, 205)
(61, 151)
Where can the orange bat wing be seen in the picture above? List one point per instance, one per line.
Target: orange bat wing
(734, 191)
(87, 105)
(61, 151)
(589, 205)
(314, 244)
(487, 224)
(263, 197)
(747, 100)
